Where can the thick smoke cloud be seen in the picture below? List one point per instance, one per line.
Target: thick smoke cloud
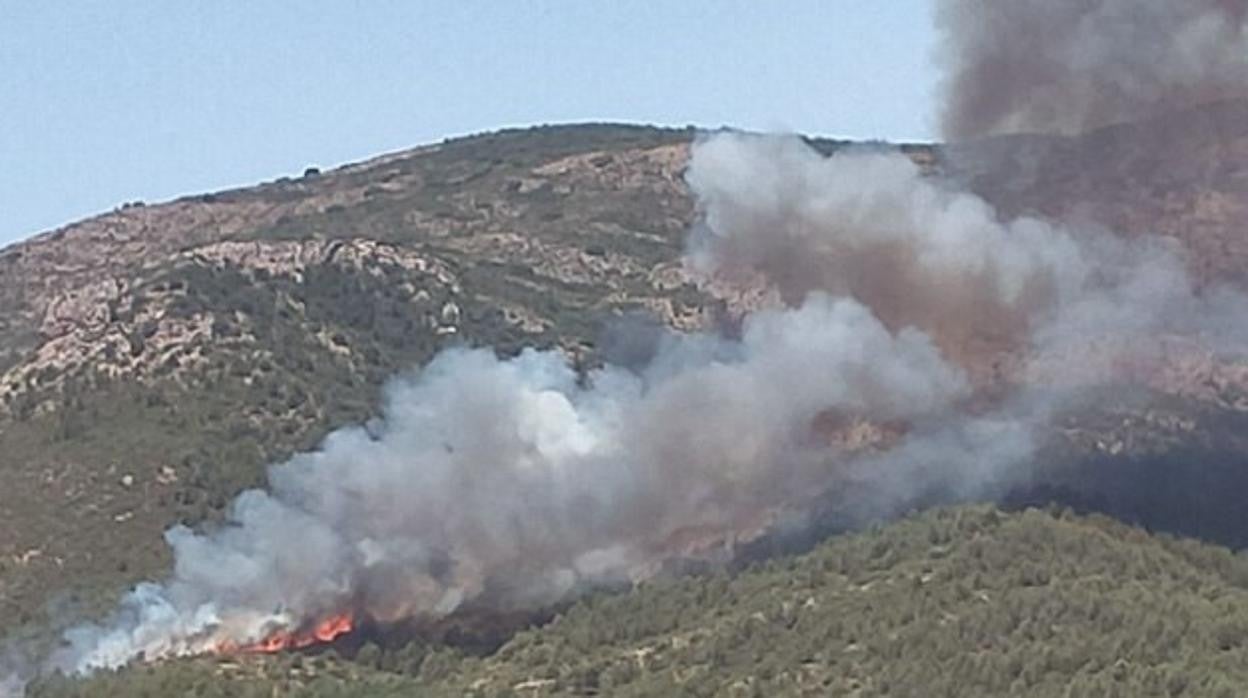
(1001, 299)
(508, 484)
(912, 353)
(1066, 66)
(866, 225)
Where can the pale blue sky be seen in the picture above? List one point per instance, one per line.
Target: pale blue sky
(108, 101)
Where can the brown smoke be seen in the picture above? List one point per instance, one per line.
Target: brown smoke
(1066, 66)
(868, 226)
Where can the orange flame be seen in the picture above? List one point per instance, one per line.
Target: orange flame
(328, 630)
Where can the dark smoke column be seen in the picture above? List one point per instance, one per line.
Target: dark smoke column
(1067, 66)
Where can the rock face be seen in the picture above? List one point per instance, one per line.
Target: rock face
(181, 346)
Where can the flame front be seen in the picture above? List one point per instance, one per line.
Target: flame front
(328, 630)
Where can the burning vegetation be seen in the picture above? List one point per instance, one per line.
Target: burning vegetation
(323, 632)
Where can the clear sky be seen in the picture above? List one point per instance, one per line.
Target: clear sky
(103, 102)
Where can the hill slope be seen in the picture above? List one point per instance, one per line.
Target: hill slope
(158, 357)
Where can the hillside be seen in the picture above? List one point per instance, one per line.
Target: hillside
(153, 361)
(956, 602)
(159, 356)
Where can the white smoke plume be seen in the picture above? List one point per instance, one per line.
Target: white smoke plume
(515, 483)
(507, 483)
(867, 225)
(1066, 66)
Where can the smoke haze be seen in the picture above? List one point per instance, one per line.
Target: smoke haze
(1066, 66)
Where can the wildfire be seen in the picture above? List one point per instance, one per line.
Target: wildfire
(327, 630)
